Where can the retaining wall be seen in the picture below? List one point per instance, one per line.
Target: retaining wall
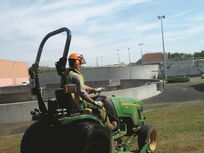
(112, 73)
(20, 112)
(16, 112)
(13, 94)
(139, 93)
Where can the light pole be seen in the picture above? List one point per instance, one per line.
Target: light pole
(141, 44)
(129, 62)
(101, 61)
(118, 56)
(164, 54)
(96, 61)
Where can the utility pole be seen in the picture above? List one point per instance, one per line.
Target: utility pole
(96, 61)
(129, 63)
(141, 44)
(164, 54)
(118, 56)
(101, 61)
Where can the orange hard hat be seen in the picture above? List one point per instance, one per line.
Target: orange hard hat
(77, 56)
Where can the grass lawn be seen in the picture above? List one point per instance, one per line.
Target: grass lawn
(180, 130)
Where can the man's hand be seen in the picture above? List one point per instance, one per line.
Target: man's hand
(99, 89)
(99, 103)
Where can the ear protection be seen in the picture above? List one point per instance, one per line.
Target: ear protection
(77, 62)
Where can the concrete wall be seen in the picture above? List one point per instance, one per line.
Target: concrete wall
(121, 72)
(15, 94)
(185, 68)
(20, 112)
(13, 73)
(114, 73)
(49, 90)
(139, 93)
(22, 93)
(16, 112)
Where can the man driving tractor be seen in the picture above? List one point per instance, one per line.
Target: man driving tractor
(74, 76)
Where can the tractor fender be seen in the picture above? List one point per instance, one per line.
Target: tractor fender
(80, 118)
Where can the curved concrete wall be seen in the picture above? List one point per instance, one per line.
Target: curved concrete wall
(139, 93)
(20, 112)
(114, 73)
(121, 72)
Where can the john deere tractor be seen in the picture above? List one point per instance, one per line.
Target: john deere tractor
(60, 127)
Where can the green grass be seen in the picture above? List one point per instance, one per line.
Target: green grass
(10, 144)
(180, 130)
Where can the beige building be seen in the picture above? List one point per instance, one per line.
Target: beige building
(13, 73)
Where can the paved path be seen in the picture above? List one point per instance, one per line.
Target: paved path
(191, 91)
(178, 93)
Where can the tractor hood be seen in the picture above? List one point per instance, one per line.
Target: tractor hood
(128, 107)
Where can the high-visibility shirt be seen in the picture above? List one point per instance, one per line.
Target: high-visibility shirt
(76, 77)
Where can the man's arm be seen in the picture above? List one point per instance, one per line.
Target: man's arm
(89, 89)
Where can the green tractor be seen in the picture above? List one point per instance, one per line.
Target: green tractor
(59, 127)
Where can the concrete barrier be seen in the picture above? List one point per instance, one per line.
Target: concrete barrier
(16, 112)
(139, 93)
(20, 112)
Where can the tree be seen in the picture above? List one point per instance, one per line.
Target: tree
(181, 56)
(199, 54)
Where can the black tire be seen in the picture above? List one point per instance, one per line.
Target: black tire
(89, 137)
(37, 139)
(147, 134)
(40, 138)
(99, 141)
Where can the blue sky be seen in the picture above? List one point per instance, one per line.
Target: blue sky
(99, 28)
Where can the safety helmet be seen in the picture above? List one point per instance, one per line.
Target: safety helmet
(77, 57)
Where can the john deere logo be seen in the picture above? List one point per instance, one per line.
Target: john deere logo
(129, 104)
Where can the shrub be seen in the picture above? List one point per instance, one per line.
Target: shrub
(177, 79)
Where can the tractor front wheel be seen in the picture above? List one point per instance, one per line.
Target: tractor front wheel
(147, 135)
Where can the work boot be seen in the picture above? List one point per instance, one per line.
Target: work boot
(115, 124)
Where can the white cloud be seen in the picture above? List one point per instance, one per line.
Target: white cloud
(96, 27)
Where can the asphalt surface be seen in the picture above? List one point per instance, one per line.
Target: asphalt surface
(180, 92)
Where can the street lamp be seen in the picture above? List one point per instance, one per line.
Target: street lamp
(118, 56)
(141, 44)
(164, 54)
(96, 61)
(129, 62)
(101, 61)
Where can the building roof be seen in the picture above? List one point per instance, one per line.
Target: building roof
(153, 57)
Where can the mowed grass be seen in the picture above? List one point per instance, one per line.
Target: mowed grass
(10, 144)
(180, 130)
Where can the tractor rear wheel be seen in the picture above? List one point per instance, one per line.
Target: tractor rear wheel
(147, 134)
(99, 141)
(89, 137)
(37, 139)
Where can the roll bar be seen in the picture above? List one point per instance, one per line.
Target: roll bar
(60, 65)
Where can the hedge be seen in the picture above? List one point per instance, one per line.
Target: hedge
(178, 79)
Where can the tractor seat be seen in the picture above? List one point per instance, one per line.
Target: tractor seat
(66, 98)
